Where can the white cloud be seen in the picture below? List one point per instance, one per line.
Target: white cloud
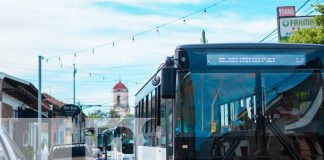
(53, 28)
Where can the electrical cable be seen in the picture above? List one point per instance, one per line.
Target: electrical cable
(156, 28)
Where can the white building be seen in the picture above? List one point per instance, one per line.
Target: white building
(19, 112)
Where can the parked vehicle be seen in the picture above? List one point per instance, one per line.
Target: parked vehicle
(78, 151)
(8, 149)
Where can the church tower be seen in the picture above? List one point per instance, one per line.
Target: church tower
(120, 99)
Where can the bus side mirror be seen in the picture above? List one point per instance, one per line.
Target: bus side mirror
(168, 82)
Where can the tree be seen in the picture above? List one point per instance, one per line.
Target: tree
(310, 35)
(129, 115)
(113, 114)
(98, 114)
(98, 119)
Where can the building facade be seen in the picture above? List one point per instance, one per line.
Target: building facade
(120, 99)
(19, 116)
(18, 110)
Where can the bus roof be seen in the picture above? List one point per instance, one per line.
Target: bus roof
(251, 46)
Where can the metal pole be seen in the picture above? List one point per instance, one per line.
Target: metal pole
(39, 104)
(50, 119)
(203, 37)
(74, 72)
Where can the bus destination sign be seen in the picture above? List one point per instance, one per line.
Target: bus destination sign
(230, 59)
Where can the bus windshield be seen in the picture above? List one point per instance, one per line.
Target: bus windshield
(229, 100)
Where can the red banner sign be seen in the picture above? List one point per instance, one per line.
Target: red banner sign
(286, 11)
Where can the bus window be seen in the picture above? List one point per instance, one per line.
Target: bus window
(153, 111)
(145, 114)
(232, 115)
(162, 122)
(303, 85)
(221, 91)
(250, 108)
(158, 99)
(223, 116)
(236, 121)
(149, 113)
(142, 111)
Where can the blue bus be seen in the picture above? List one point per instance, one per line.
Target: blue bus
(233, 101)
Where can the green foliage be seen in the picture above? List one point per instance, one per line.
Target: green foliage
(313, 35)
(309, 35)
(98, 114)
(319, 20)
(101, 114)
(129, 115)
(113, 114)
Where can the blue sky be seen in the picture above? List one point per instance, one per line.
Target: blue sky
(58, 29)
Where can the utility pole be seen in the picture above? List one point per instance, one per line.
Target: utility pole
(203, 35)
(79, 119)
(39, 105)
(74, 73)
(50, 122)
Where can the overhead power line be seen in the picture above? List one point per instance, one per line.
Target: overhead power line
(113, 43)
(311, 12)
(302, 6)
(269, 35)
(132, 36)
(310, 6)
